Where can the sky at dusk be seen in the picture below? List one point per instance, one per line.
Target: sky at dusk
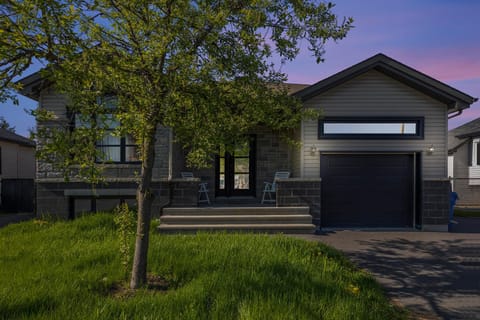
(438, 37)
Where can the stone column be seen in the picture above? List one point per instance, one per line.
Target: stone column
(295, 192)
(435, 204)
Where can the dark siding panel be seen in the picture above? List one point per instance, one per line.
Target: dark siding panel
(17, 195)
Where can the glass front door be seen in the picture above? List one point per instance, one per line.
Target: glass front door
(235, 171)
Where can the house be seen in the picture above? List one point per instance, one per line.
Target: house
(377, 157)
(464, 162)
(17, 172)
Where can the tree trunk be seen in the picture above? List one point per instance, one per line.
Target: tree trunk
(144, 201)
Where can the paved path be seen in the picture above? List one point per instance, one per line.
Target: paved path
(431, 273)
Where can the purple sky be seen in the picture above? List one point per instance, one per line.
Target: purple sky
(438, 37)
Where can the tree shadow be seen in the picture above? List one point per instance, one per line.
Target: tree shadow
(445, 274)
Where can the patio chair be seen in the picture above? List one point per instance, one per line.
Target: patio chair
(202, 188)
(270, 187)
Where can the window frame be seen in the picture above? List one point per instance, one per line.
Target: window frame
(419, 128)
(123, 139)
(475, 152)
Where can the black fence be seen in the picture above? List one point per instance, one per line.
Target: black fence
(17, 195)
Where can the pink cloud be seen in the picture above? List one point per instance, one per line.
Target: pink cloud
(445, 64)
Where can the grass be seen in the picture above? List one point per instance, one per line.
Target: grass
(65, 270)
(467, 212)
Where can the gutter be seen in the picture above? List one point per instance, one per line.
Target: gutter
(459, 112)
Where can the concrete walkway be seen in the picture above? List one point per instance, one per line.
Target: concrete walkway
(435, 275)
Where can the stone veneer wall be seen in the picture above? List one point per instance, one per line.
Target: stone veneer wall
(435, 205)
(51, 198)
(296, 192)
(273, 154)
(184, 192)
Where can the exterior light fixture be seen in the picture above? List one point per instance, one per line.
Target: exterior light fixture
(430, 150)
(313, 149)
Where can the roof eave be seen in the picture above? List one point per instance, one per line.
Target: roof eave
(453, 98)
(31, 85)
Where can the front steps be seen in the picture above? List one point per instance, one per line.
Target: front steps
(237, 219)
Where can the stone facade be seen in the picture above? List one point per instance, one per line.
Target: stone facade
(435, 204)
(297, 192)
(70, 199)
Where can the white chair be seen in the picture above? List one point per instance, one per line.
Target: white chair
(202, 188)
(270, 187)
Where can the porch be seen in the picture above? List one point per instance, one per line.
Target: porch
(296, 210)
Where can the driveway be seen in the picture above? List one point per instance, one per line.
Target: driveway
(436, 275)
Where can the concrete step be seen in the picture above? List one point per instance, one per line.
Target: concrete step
(258, 228)
(237, 219)
(226, 211)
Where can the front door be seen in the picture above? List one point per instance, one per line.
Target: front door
(235, 170)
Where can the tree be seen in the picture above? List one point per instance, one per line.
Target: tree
(205, 68)
(5, 125)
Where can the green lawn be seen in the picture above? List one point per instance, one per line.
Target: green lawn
(466, 213)
(65, 270)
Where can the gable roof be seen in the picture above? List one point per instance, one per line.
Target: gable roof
(453, 98)
(32, 85)
(460, 135)
(9, 136)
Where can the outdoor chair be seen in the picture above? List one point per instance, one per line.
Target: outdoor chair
(270, 187)
(202, 188)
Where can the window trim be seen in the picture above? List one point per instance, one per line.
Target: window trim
(475, 152)
(419, 126)
(123, 151)
(123, 144)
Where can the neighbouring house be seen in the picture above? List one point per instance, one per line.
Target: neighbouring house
(377, 157)
(17, 172)
(464, 162)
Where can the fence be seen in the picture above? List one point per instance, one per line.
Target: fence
(17, 195)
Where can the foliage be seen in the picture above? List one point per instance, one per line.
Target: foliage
(5, 125)
(66, 270)
(467, 212)
(125, 223)
(204, 68)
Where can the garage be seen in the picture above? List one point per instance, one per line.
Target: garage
(368, 190)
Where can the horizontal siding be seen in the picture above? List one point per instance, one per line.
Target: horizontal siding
(54, 102)
(376, 95)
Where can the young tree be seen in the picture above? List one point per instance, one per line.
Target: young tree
(204, 68)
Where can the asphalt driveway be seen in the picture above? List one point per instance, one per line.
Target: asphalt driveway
(434, 274)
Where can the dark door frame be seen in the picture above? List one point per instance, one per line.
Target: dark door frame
(229, 190)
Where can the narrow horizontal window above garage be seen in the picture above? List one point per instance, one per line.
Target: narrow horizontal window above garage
(370, 128)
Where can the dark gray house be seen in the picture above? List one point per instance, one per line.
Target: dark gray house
(464, 162)
(377, 158)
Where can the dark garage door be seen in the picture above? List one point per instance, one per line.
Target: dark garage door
(367, 190)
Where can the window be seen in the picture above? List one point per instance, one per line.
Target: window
(474, 168)
(119, 149)
(370, 128)
(476, 152)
